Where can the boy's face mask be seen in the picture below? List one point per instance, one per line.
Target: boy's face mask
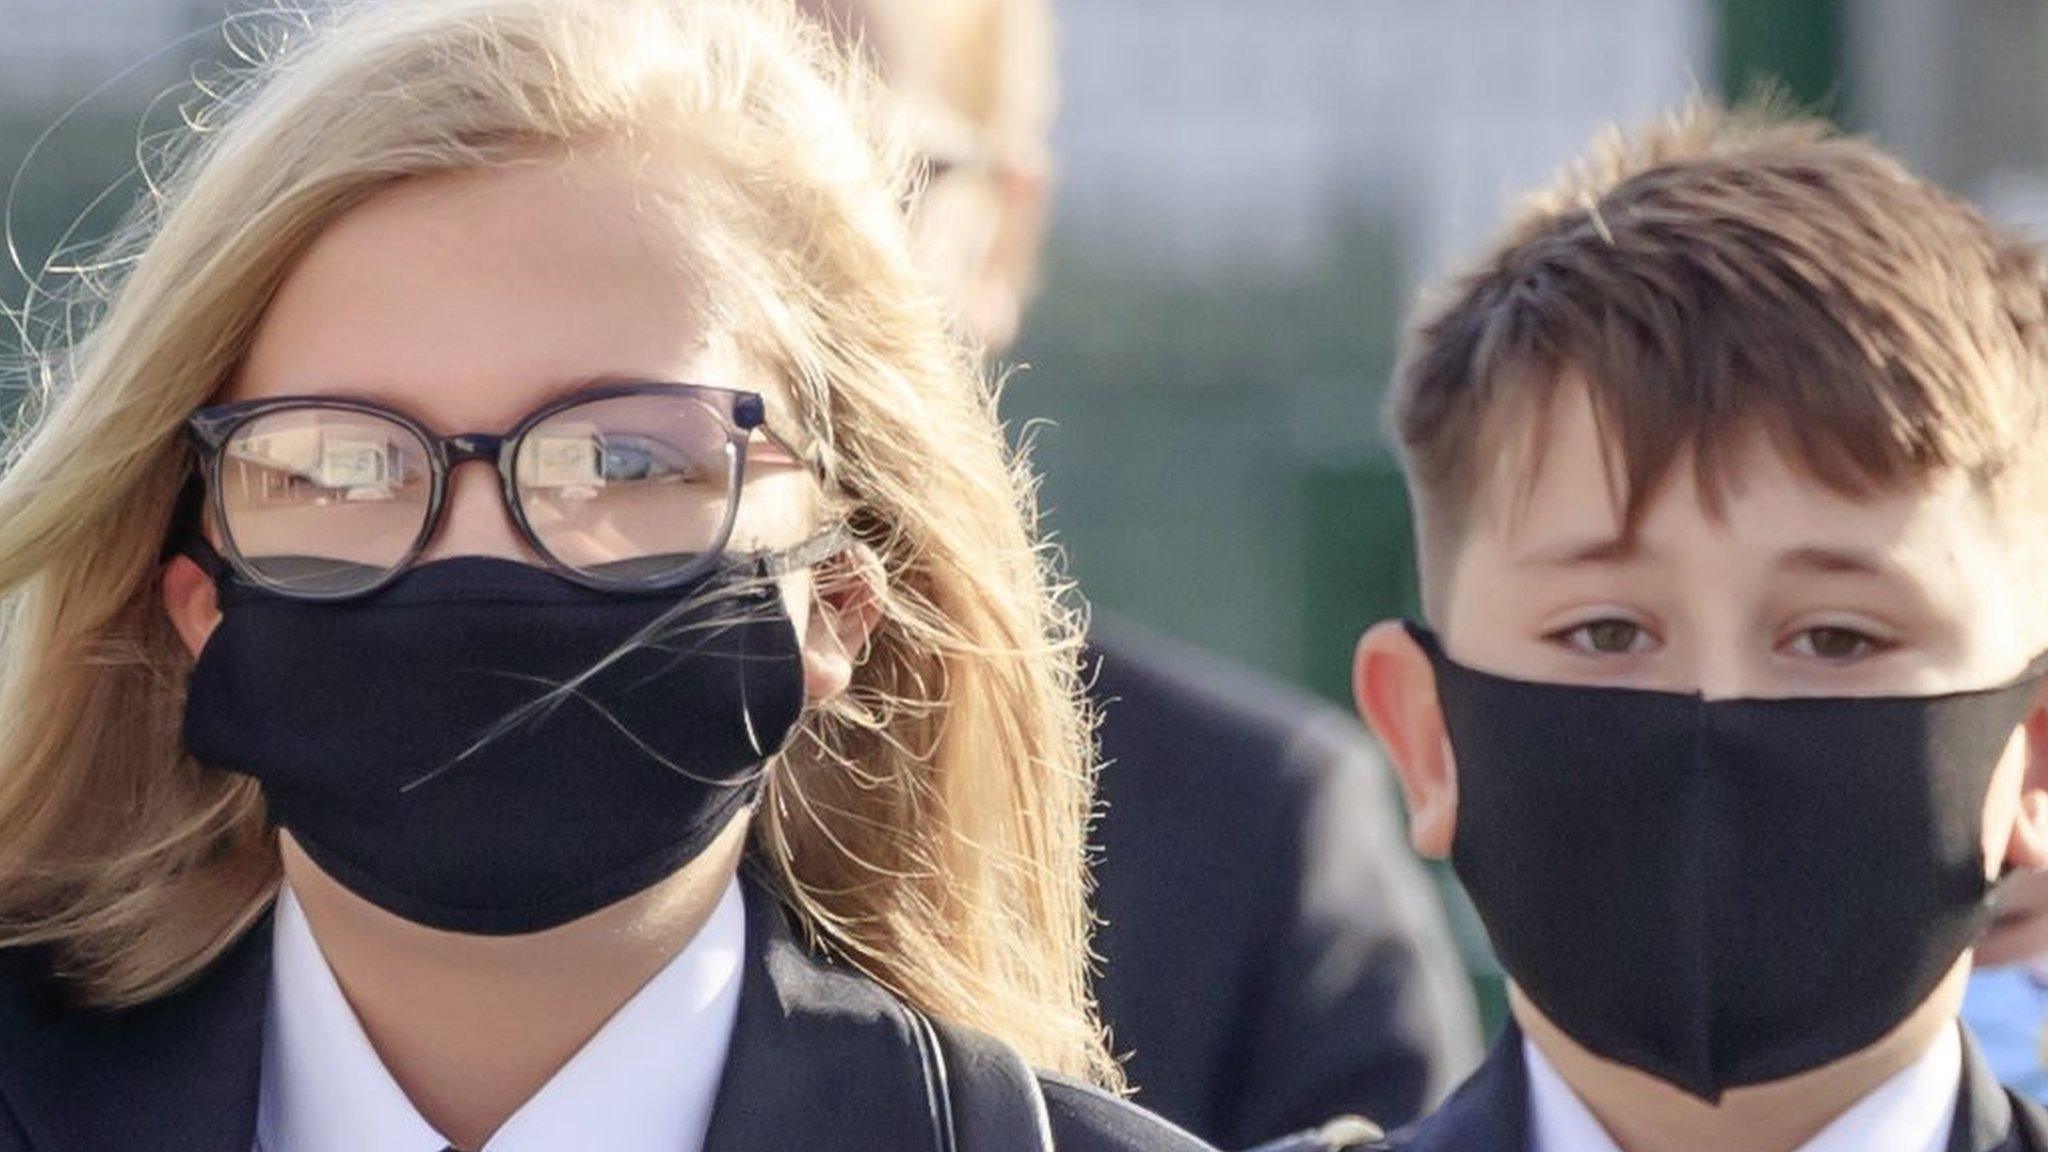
(1729, 892)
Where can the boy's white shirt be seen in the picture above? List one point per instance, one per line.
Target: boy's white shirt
(646, 1082)
(1911, 1112)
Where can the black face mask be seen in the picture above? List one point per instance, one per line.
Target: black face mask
(1723, 893)
(403, 740)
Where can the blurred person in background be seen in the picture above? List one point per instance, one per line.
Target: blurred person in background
(1272, 953)
(2007, 1003)
(524, 633)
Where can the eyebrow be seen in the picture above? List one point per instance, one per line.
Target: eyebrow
(1574, 553)
(1848, 561)
(565, 389)
(557, 391)
(1816, 559)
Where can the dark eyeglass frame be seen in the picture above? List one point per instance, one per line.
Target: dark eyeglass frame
(212, 428)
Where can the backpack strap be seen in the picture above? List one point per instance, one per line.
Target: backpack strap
(938, 1086)
(986, 1099)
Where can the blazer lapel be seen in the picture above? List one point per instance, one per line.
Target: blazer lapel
(1488, 1113)
(1983, 1114)
(821, 1057)
(1989, 1118)
(179, 1074)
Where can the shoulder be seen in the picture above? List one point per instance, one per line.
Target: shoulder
(1087, 1119)
(30, 1003)
(182, 1064)
(2030, 1120)
(991, 1089)
(1489, 1112)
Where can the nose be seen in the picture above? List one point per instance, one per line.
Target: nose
(1724, 672)
(474, 519)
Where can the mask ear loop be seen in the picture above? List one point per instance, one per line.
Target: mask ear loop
(186, 535)
(2037, 670)
(823, 545)
(826, 543)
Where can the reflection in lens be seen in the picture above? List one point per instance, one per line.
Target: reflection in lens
(324, 501)
(629, 489)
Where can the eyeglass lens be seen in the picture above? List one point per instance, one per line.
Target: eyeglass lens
(627, 490)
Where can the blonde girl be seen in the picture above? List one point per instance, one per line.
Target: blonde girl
(523, 632)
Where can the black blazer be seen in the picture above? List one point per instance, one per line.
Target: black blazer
(1490, 1112)
(1273, 953)
(821, 1059)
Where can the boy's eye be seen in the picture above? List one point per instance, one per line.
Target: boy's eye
(1606, 637)
(1836, 645)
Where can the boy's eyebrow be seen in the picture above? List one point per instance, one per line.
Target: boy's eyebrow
(1855, 561)
(1570, 553)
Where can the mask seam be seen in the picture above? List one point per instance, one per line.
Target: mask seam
(1708, 846)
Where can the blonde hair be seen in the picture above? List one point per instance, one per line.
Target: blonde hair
(991, 62)
(926, 827)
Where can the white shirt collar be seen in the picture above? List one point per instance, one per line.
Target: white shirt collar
(1911, 1112)
(645, 1082)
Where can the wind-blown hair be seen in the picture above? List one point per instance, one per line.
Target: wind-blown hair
(926, 826)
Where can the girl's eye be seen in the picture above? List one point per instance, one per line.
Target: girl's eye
(1606, 637)
(1835, 645)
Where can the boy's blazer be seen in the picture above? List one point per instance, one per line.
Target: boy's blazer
(1490, 1112)
(821, 1059)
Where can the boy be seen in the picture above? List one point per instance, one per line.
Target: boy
(1728, 469)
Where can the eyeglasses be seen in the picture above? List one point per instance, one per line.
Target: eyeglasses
(624, 487)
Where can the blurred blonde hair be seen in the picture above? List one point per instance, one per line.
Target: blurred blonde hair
(926, 827)
(990, 63)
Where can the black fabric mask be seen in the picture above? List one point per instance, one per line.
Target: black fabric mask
(366, 722)
(1728, 892)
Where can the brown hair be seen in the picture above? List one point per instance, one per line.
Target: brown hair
(1721, 274)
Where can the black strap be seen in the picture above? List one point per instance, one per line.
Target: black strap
(984, 1097)
(938, 1089)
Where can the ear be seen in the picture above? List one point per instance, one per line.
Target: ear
(1395, 687)
(1005, 285)
(848, 608)
(2028, 848)
(191, 602)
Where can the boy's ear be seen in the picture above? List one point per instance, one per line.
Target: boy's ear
(2028, 848)
(1395, 687)
(1011, 277)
